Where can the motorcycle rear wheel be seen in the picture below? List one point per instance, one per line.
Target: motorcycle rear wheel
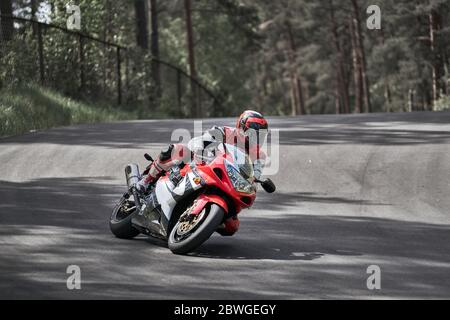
(207, 226)
(120, 223)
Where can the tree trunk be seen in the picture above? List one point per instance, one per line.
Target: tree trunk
(387, 95)
(435, 21)
(341, 84)
(107, 30)
(154, 47)
(294, 99)
(141, 24)
(195, 112)
(7, 25)
(387, 88)
(356, 70)
(410, 100)
(34, 4)
(359, 42)
(446, 72)
(298, 102)
(337, 100)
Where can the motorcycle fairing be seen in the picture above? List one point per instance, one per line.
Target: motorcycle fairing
(203, 199)
(169, 194)
(151, 218)
(160, 204)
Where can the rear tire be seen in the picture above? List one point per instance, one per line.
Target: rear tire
(122, 227)
(202, 233)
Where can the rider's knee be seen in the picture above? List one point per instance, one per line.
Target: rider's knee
(166, 153)
(229, 227)
(175, 153)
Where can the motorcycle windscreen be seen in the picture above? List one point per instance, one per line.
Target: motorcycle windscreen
(241, 161)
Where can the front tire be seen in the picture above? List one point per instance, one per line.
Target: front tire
(212, 219)
(120, 222)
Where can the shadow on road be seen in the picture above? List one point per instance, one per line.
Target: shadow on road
(374, 129)
(386, 137)
(368, 129)
(255, 250)
(113, 135)
(284, 199)
(48, 224)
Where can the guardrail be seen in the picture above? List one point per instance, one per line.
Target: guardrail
(87, 67)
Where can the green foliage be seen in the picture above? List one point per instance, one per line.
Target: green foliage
(225, 35)
(34, 108)
(246, 53)
(443, 103)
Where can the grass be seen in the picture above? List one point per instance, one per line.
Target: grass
(32, 107)
(442, 104)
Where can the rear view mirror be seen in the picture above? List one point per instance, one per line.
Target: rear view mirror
(268, 186)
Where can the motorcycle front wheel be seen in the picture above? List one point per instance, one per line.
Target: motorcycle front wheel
(188, 234)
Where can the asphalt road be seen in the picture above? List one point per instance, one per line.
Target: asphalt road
(353, 191)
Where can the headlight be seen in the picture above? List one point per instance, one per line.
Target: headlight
(238, 181)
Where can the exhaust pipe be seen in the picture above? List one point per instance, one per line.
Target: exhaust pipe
(132, 174)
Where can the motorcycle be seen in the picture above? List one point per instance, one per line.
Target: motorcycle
(190, 202)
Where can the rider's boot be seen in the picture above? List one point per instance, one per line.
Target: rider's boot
(157, 169)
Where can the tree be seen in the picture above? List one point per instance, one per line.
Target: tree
(298, 100)
(342, 81)
(286, 57)
(195, 107)
(7, 25)
(360, 65)
(141, 24)
(154, 46)
(437, 57)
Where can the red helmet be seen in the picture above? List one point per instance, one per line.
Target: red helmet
(251, 120)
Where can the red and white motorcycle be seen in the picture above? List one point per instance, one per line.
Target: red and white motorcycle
(190, 202)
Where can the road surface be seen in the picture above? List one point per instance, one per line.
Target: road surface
(353, 191)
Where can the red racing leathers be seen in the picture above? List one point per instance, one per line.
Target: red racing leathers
(174, 154)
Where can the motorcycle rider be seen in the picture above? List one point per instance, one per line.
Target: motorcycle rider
(248, 135)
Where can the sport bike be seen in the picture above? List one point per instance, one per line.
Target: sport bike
(191, 201)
